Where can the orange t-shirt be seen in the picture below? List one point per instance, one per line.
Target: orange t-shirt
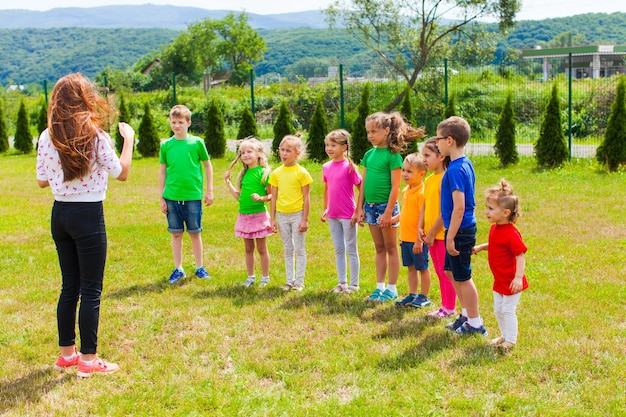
(412, 200)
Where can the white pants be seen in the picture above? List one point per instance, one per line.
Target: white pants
(344, 240)
(293, 244)
(504, 306)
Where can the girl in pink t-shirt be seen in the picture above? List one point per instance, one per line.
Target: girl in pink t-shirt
(506, 260)
(340, 176)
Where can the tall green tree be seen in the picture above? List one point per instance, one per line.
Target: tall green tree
(214, 137)
(505, 147)
(4, 134)
(124, 116)
(42, 117)
(149, 140)
(612, 150)
(248, 125)
(360, 143)
(283, 126)
(407, 111)
(406, 35)
(551, 149)
(23, 137)
(318, 129)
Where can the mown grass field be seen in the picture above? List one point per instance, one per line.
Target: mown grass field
(212, 348)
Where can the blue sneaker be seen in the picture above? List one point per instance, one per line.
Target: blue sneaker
(420, 301)
(202, 273)
(387, 296)
(466, 329)
(375, 295)
(456, 323)
(176, 276)
(406, 300)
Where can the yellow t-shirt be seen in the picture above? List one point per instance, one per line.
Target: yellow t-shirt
(432, 198)
(289, 181)
(412, 200)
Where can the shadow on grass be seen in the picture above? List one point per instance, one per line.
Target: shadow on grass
(419, 353)
(30, 388)
(241, 296)
(328, 303)
(153, 287)
(479, 353)
(403, 329)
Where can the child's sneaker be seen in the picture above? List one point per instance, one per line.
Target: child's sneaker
(264, 282)
(420, 301)
(340, 288)
(97, 367)
(456, 323)
(466, 329)
(202, 273)
(352, 288)
(297, 287)
(375, 295)
(176, 276)
(406, 300)
(249, 282)
(62, 363)
(287, 286)
(387, 296)
(442, 313)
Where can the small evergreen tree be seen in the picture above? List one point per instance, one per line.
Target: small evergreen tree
(4, 134)
(23, 137)
(612, 150)
(214, 137)
(124, 117)
(149, 140)
(283, 126)
(551, 149)
(360, 144)
(42, 117)
(248, 124)
(407, 112)
(505, 146)
(450, 109)
(317, 132)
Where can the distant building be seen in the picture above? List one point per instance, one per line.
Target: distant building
(15, 87)
(593, 61)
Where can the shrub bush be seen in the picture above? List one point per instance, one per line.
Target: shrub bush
(360, 144)
(283, 126)
(23, 137)
(505, 147)
(4, 134)
(149, 141)
(551, 150)
(214, 137)
(612, 150)
(248, 124)
(317, 132)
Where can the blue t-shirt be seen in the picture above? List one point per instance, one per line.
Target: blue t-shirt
(459, 176)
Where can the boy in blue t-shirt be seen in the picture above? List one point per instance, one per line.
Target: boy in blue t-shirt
(457, 212)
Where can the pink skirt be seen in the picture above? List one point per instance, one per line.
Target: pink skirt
(253, 226)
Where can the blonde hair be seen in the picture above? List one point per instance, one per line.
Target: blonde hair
(502, 194)
(180, 111)
(400, 132)
(76, 115)
(431, 145)
(254, 143)
(416, 160)
(342, 138)
(296, 142)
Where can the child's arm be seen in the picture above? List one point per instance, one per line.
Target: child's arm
(420, 224)
(323, 218)
(233, 191)
(458, 208)
(479, 248)
(306, 194)
(355, 216)
(520, 266)
(208, 171)
(264, 198)
(273, 197)
(359, 215)
(385, 218)
(126, 157)
(162, 203)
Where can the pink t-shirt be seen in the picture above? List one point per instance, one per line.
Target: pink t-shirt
(87, 189)
(340, 181)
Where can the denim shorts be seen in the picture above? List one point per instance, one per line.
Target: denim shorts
(418, 260)
(461, 265)
(373, 211)
(181, 213)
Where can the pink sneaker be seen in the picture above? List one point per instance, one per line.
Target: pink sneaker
(97, 367)
(62, 364)
(442, 313)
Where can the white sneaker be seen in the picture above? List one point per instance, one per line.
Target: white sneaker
(249, 282)
(342, 287)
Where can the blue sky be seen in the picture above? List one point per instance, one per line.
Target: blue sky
(531, 9)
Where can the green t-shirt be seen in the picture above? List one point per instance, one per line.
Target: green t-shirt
(183, 174)
(252, 183)
(379, 163)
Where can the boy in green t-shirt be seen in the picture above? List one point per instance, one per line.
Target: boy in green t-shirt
(181, 186)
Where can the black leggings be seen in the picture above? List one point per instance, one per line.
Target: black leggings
(79, 233)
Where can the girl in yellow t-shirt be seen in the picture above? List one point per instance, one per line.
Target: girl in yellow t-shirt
(431, 225)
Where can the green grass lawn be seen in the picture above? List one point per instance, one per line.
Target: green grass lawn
(209, 347)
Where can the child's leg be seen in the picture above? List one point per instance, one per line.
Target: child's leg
(413, 280)
(438, 255)
(509, 307)
(261, 247)
(425, 281)
(299, 240)
(287, 228)
(390, 237)
(336, 233)
(498, 299)
(177, 249)
(381, 254)
(249, 247)
(196, 247)
(350, 234)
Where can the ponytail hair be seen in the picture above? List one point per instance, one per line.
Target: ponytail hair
(400, 131)
(342, 137)
(502, 194)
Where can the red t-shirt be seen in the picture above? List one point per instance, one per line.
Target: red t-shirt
(505, 243)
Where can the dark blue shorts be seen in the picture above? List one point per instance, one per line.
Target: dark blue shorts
(418, 260)
(181, 213)
(461, 265)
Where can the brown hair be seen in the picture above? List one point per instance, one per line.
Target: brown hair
(76, 114)
(502, 194)
(456, 127)
(416, 160)
(400, 132)
(180, 112)
(431, 145)
(342, 137)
